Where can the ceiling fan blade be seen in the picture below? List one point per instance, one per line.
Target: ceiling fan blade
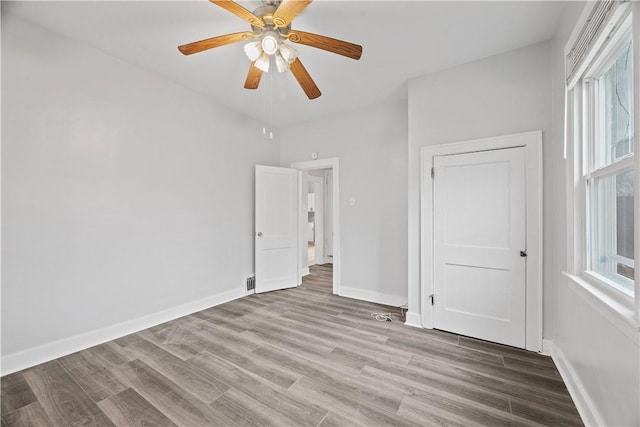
(340, 47)
(213, 42)
(253, 77)
(304, 79)
(288, 10)
(239, 11)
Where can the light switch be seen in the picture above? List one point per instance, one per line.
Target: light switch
(352, 201)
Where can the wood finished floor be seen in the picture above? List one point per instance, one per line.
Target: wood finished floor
(300, 357)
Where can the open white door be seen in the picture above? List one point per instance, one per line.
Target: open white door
(479, 232)
(276, 237)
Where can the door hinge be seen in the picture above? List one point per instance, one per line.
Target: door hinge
(433, 173)
(523, 254)
(432, 297)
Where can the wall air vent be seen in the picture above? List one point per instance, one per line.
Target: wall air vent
(251, 283)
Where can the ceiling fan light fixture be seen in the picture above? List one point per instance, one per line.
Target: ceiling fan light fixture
(270, 42)
(253, 50)
(288, 53)
(263, 62)
(281, 64)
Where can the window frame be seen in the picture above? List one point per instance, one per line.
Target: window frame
(580, 150)
(592, 119)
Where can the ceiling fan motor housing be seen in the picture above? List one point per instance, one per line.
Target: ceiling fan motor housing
(266, 14)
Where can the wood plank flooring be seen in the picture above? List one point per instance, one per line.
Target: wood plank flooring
(299, 357)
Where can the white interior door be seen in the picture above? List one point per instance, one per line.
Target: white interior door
(276, 237)
(479, 232)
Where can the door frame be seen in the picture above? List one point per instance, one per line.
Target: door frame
(532, 142)
(333, 164)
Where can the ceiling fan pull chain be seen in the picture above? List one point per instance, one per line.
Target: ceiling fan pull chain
(271, 106)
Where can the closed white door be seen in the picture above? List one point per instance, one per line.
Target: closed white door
(479, 233)
(276, 228)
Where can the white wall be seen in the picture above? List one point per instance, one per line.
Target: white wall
(372, 147)
(123, 195)
(500, 95)
(598, 354)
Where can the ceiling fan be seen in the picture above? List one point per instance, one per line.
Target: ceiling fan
(270, 28)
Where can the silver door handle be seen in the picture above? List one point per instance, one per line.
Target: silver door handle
(259, 234)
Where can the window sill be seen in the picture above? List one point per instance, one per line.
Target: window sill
(617, 310)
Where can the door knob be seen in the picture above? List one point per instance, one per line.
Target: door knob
(259, 233)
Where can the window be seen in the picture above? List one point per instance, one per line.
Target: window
(609, 171)
(604, 113)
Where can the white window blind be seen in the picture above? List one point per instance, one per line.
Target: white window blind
(598, 25)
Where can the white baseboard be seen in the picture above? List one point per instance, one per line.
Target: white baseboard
(305, 271)
(546, 347)
(371, 296)
(585, 406)
(53, 350)
(413, 319)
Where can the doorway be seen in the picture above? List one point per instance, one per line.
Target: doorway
(316, 183)
(319, 228)
(319, 280)
(481, 239)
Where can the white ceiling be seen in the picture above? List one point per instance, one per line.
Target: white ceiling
(401, 40)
